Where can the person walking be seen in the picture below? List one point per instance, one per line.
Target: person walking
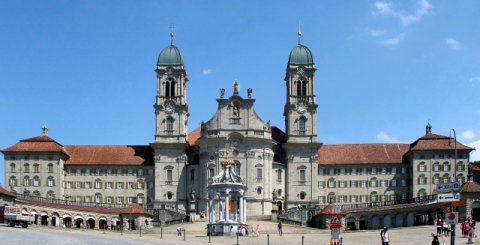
(179, 231)
(280, 228)
(254, 230)
(463, 229)
(472, 227)
(385, 236)
(258, 230)
(467, 229)
(439, 227)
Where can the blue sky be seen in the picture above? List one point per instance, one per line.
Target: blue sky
(385, 68)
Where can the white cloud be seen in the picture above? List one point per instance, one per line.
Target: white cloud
(395, 40)
(377, 33)
(385, 138)
(386, 9)
(453, 43)
(475, 156)
(207, 71)
(474, 79)
(467, 135)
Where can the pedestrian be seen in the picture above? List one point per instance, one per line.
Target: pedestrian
(463, 229)
(435, 241)
(258, 230)
(179, 230)
(467, 229)
(439, 227)
(446, 229)
(254, 230)
(385, 236)
(472, 227)
(280, 229)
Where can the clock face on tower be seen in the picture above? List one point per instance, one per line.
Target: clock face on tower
(169, 107)
(301, 107)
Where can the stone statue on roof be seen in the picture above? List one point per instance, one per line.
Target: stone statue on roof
(249, 91)
(222, 93)
(274, 195)
(192, 195)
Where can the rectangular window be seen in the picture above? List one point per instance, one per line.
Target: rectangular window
(98, 184)
(404, 170)
(321, 199)
(383, 183)
(50, 182)
(87, 199)
(404, 182)
(342, 184)
(109, 171)
(98, 171)
(78, 199)
(374, 198)
(364, 171)
(436, 167)
(445, 179)
(140, 199)
(109, 185)
(119, 200)
(422, 167)
(320, 171)
(279, 176)
(79, 172)
(445, 167)
(130, 172)
(331, 183)
(130, 199)
(259, 173)
(169, 175)
(69, 172)
(364, 183)
(35, 168)
(436, 180)
(422, 180)
(302, 175)
(140, 185)
(109, 199)
(384, 198)
(404, 196)
(150, 185)
(422, 156)
(374, 170)
(332, 171)
(120, 172)
(436, 156)
(394, 170)
(78, 184)
(374, 183)
(354, 183)
(342, 198)
(99, 199)
(342, 171)
(87, 185)
(87, 171)
(130, 185)
(27, 168)
(394, 182)
(150, 172)
(140, 172)
(364, 198)
(69, 184)
(35, 182)
(354, 171)
(212, 173)
(50, 168)
(120, 185)
(384, 170)
(354, 198)
(320, 184)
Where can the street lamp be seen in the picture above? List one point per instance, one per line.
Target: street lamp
(450, 144)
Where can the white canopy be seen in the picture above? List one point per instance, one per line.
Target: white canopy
(44, 214)
(66, 216)
(102, 218)
(90, 217)
(33, 212)
(24, 211)
(78, 217)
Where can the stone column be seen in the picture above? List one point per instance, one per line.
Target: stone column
(210, 211)
(245, 209)
(242, 209)
(235, 208)
(220, 210)
(227, 208)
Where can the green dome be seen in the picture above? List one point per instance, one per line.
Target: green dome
(170, 56)
(300, 55)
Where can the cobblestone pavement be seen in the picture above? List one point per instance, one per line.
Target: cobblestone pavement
(293, 235)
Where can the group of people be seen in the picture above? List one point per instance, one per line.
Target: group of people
(469, 225)
(443, 228)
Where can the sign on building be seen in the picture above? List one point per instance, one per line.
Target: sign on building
(454, 186)
(448, 197)
(452, 218)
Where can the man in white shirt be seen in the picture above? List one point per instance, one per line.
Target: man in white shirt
(385, 236)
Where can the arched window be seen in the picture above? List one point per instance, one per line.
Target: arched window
(436, 166)
(36, 181)
(446, 178)
(169, 124)
(301, 88)
(36, 194)
(12, 167)
(421, 193)
(50, 195)
(460, 178)
(460, 166)
(302, 125)
(50, 168)
(13, 181)
(35, 167)
(192, 175)
(26, 181)
(331, 197)
(51, 181)
(237, 167)
(436, 179)
(169, 196)
(279, 193)
(98, 198)
(422, 180)
(259, 191)
(421, 167)
(446, 166)
(279, 176)
(373, 182)
(373, 196)
(26, 168)
(170, 88)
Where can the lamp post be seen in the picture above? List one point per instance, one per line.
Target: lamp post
(452, 238)
(130, 221)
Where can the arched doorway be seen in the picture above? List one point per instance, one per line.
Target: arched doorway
(375, 222)
(410, 219)
(36, 217)
(90, 223)
(387, 221)
(55, 219)
(78, 221)
(102, 224)
(67, 220)
(398, 220)
(476, 210)
(279, 206)
(44, 219)
(351, 224)
(363, 223)
(131, 224)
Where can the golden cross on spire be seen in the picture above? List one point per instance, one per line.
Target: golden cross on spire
(171, 34)
(299, 32)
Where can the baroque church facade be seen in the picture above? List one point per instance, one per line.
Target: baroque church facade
(280, 168)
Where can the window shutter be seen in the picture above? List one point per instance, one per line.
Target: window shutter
(334, 184)
(350, 183)
(46, 182)
(144, 184)
(369, 183)
(53, 182)
(389, 183)
(418, 180)
(418, 167)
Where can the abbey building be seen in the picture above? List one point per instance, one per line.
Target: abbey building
(290, 163)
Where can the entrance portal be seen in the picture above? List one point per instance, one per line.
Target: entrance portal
(90, 224)
(102, 224)
(476, 211)
(351, 224)
(131, 224)
(78, 221)
(279, 206)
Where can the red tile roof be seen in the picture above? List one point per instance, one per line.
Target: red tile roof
(328, 209)
(72, 207)
(136, 209)
(362, 153)
(110, 155)
(437, 142)
(37, 144)
(469, 187)
(194, 136)
(5, 192)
